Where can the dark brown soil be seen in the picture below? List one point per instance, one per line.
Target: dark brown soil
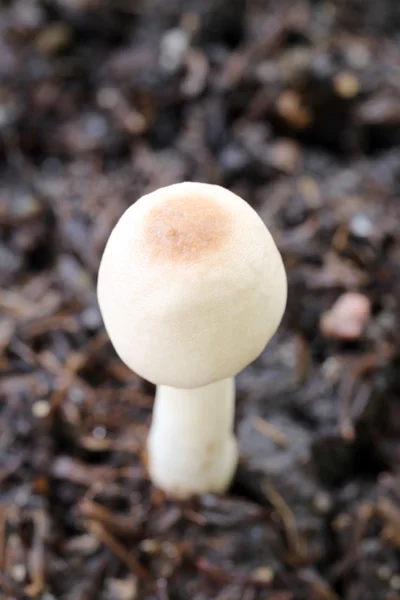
(295, 105)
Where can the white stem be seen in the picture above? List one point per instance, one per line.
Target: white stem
(191, 446)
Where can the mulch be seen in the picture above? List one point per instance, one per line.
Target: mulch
(294, 105)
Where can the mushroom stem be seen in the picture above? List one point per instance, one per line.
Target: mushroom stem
(191, 445)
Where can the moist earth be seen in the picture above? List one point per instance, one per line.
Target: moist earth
(295, 106)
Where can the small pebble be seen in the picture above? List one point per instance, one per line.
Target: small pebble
(18, 573)
(291, 109)
(53, 39)
(288, 354)
(358, 56)
(263, 575)
(173, 48)
(342, 522)
(122, 589)
(384, 572)
(41, 409)
(233, 158)
(379, 110)
(99, 432)
(256, 533)
(347, 318)
(28, 14)
(95, 125)
(286, 155)
(107, 97)
(169, 550)
(361, 226)
(322, 502)
(309, 189)
(150, 546)
(387, 320)
(23, 495)
(25, 206)
(91, 317)
(76, 395)
(267, 72)
(331, 369)
(346, 85)
(395, 582)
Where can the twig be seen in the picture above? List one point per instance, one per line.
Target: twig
(350, 558)
(272, 432)
(297, 544)
(36, 558)
(118, 549)
(345, 394)
(3, 517)
(90, 591)
(390, 514)
(118, 524)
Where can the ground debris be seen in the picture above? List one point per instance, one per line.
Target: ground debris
(294, 106)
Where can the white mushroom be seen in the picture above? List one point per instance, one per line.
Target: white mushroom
(191, 288)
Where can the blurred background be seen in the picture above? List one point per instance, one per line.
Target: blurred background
(295, 106)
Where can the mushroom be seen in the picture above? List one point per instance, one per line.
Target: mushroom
(191, 288)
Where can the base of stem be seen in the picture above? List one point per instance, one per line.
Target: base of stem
(191, 446)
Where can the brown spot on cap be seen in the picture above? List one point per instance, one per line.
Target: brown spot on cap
(186, 229)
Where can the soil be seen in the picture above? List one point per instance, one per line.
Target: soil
(294, 105)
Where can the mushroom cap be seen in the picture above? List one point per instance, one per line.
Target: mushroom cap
(191, 285)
